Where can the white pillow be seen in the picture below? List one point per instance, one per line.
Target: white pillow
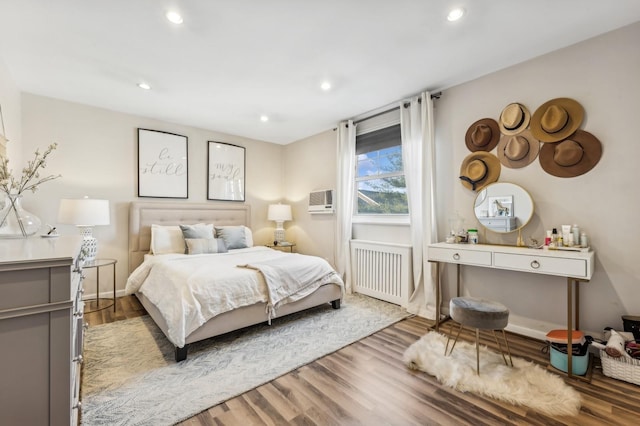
(205, 245)
(248, 235)
(166, 239)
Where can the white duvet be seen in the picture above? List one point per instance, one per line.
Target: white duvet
(188, 290)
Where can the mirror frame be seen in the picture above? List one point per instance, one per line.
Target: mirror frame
(522, 194)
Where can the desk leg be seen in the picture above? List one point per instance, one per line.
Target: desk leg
(437, 296)
(569, 326)
(577, 304)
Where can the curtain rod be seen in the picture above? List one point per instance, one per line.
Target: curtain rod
(406, 105)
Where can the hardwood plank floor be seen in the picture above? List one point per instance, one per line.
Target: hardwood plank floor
(366, 383)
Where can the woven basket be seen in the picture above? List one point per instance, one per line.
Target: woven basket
(621, 368)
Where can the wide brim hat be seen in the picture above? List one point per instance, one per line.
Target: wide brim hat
(516, 151)
(514, 119)
(557, 119)
(479, 169)
(483, 135)
(571, 157)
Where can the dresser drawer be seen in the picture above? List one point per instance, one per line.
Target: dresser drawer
(542, 264)
(457, 255)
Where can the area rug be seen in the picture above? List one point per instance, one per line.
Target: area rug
(130, 376)
(525, 384)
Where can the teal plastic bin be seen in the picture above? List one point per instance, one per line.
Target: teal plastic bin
(579, 363)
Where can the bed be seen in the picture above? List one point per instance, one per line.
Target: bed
(250, 263)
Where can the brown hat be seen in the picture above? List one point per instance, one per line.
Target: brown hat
(483, 135)
(572, 157)
(556, 119)
(479, 169)
(514, 118)
(516, 151)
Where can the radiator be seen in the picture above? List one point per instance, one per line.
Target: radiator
(381, 270)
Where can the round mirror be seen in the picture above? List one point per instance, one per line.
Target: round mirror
(503, 207)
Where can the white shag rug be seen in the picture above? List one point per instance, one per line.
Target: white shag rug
(130, 376)
(525, 384)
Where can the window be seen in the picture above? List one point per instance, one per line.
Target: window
(380, 182)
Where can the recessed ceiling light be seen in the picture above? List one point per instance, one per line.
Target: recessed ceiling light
(144, 86)
(174, 17)
(264, 118)
(455, 14)
(325, 86)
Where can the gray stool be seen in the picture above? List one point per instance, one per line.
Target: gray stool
(479, 314)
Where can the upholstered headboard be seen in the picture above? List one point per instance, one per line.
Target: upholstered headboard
(143, 214)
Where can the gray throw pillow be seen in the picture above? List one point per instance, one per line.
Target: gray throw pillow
(199, 230)
(205, 245)
(233, 236)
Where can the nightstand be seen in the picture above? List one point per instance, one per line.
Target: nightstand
(282, 246)
(97, 264)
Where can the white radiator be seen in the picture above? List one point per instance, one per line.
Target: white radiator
(381, 270)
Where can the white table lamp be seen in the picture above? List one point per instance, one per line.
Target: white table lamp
(279, 213)
(85, 213)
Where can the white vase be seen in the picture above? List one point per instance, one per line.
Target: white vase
(16, 222)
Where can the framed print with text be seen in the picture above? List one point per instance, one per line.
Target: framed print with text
(163, 168)
(225, 172)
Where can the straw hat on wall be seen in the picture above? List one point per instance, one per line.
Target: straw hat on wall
(556, 119)
(571, 157)
(483, 135)
(516, 151)
(479, 169)
(514, 119)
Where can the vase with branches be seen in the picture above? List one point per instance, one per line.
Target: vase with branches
(15, 221)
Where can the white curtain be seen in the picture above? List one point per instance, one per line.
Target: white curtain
(416, 123)
(345, 191)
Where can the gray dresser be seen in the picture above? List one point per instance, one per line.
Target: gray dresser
(41, 330)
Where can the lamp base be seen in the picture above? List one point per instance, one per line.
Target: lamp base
(278, 235)
(89, 243)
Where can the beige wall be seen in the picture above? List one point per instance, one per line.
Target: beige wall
(97, 156)
(602, 74)
(310, 165)
(10, 102)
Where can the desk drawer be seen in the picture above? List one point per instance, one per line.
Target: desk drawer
(542, 264)
(462, 256)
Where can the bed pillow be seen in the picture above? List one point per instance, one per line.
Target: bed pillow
(205, 245)
(166, 239)
(234, 237)
(199, 230)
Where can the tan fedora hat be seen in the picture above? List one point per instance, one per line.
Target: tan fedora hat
(516, 151)
(514, 119)
(571, 157)
(556, 119)
(479, 169)
(483, 135)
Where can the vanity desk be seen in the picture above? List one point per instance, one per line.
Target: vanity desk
(573, 265)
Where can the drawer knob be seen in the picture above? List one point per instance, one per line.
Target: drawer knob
(78, 405)
(535, 264)
(78, 359)
(456, 256)
(85, 325)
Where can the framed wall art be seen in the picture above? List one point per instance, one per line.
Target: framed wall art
(163, 168)
(225, 172)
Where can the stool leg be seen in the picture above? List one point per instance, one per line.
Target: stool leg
(477, 352)
(506, 342)
(500, 347)
(454, 342)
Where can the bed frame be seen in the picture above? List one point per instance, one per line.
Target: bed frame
(143, 214)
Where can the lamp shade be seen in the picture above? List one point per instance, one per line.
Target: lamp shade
(279, 212)
(84, 212)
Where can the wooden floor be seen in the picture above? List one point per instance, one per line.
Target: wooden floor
(366, 383)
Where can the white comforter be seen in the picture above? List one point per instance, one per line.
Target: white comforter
(188, 290)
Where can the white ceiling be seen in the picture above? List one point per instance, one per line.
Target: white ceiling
(232, 61)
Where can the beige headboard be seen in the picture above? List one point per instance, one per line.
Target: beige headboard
(143, 214)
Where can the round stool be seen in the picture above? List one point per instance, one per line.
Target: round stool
(480, 314)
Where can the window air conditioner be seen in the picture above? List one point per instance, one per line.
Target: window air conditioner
(321, 202)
